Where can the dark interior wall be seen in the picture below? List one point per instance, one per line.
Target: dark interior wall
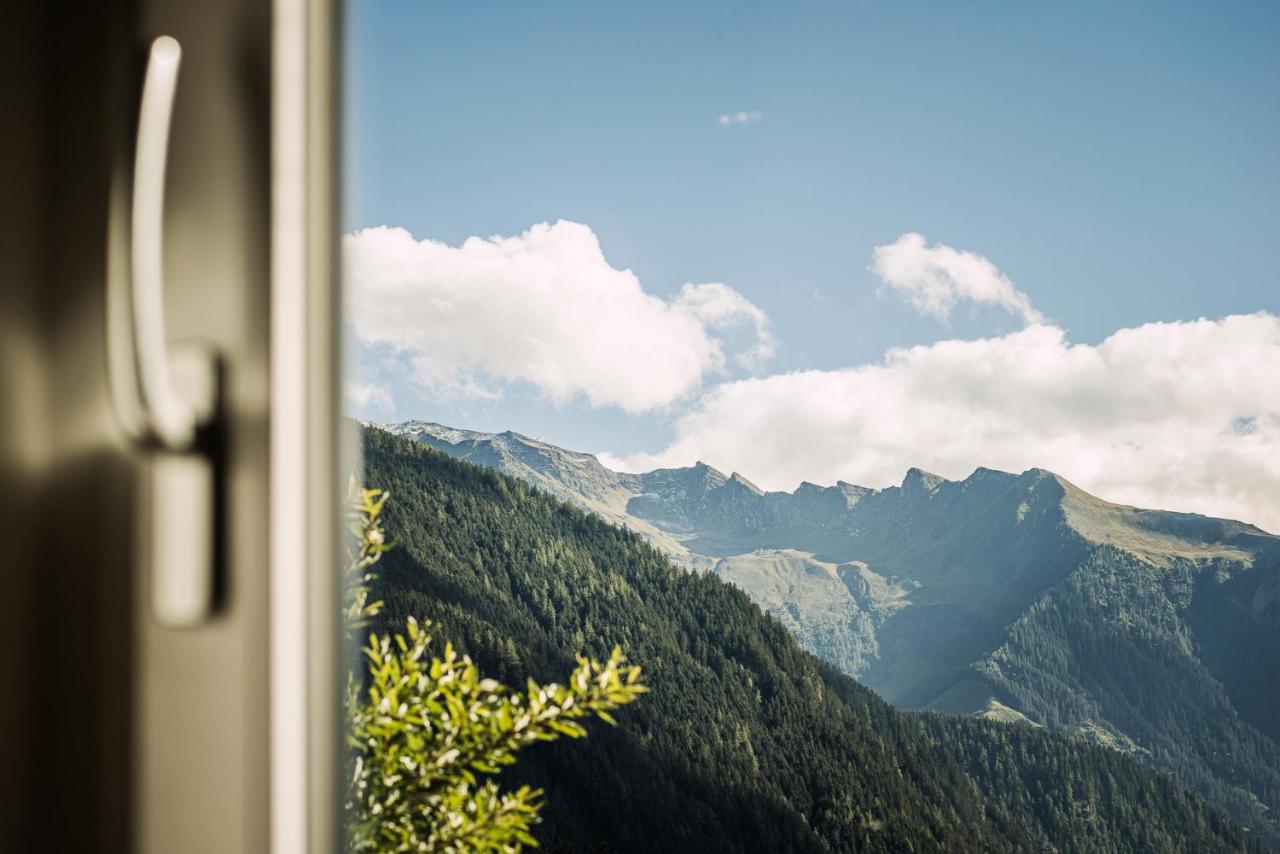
(23, 415)
(65, 480)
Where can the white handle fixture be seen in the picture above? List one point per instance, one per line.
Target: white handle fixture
(166, 395)
(169, 420)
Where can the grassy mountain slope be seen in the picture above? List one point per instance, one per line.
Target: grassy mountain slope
(747, 743)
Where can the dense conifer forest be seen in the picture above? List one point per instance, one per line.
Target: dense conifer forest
(746, 743)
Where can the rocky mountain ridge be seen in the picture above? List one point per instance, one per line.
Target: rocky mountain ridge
(1011, 596)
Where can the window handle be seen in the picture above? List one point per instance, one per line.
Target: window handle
(165, 395)
(174, 396)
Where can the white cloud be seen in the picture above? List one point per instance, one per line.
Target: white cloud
(935, 278)
(742, 117)
(1181, 416)
(543, 308)
(366, 395)
(721, 308)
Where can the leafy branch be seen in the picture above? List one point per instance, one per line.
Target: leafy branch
(421, 729)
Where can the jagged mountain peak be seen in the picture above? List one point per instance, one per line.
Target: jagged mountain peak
(917, 480)
(983, 474)
(700, 477)
(415, 427)
(710, 472)
(738, 480)
(852, 490)
(1144, 532)
(507, 439)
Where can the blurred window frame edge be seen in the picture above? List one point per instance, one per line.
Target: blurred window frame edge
(309, 448)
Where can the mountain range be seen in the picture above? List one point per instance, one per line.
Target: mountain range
(745, 742)
(1015, 597)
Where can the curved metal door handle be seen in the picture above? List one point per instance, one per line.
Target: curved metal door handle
(165, 396)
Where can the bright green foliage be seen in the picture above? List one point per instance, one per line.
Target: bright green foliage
(424, 729)
(364, 507)
(420, 729)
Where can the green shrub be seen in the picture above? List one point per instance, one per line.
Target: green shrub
(426, 734)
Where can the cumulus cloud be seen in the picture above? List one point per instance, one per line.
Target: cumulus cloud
(369, 395)
(1182, 416)
(935, 278)
(741, 117)
(721, 308)
(545, 309)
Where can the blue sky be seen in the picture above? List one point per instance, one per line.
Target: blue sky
(1117, 162)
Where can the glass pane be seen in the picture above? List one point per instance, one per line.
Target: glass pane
(762, 398)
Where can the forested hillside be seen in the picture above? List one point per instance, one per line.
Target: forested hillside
(747, 742)
(1011, 596)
